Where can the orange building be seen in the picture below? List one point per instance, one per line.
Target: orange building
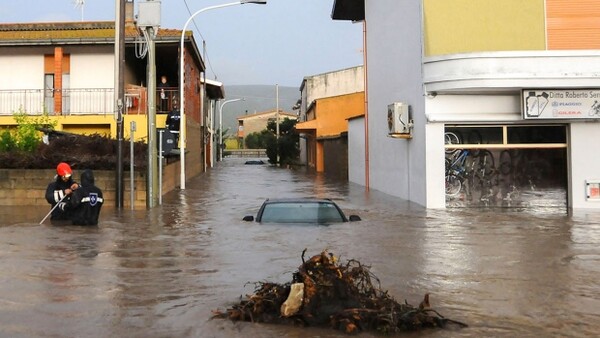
(328, 101)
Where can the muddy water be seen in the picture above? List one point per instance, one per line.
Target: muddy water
(161, 273)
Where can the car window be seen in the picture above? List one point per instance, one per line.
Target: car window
(301, 212)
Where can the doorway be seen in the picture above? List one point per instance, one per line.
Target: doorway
(506, 165)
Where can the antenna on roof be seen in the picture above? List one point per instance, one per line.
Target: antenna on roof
(79, 4)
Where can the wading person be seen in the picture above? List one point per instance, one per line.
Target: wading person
(173, 122)
(86, 201)
(58, 191)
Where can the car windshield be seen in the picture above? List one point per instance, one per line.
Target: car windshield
(301, 212)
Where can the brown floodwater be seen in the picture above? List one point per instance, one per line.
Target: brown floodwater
(161, 272)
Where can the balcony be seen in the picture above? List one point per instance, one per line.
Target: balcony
(86, 101)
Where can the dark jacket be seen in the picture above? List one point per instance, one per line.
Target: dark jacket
(173, 120)
(86, 201)
(55, 193)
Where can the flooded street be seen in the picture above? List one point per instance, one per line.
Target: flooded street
(161, 273)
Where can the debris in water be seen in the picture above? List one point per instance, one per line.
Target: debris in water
(325, 293)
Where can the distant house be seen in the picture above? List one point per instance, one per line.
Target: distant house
(67, 69)
(327, 102)
(255, 123)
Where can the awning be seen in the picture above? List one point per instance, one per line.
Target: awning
(348, 10)
(307, 126)
(214, 89)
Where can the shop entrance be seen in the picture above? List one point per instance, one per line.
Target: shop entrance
(506, 166)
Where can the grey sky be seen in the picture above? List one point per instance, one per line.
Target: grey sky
(277, 43)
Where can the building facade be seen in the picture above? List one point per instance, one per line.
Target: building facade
(499, 101)
(67, 70)
(327, 102)
(257, 122)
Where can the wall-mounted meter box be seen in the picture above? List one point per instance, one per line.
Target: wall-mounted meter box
(399, 119)
(148, 14)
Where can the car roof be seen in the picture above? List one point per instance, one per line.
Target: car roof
(299, 200)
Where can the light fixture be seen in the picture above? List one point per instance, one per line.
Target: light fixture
(183, 123)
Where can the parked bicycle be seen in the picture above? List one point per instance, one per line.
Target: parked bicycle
(458, 167)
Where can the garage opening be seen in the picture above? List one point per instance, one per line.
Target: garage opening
(506, 166)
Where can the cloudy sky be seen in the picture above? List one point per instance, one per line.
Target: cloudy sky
(277, 43)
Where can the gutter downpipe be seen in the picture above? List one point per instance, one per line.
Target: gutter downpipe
(367, 164)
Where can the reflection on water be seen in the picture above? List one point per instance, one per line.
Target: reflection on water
(160, 273)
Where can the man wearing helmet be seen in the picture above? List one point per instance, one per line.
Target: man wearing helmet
(58, 192)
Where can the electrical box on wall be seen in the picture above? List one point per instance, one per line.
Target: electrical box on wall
(399, 120)
(148, 14)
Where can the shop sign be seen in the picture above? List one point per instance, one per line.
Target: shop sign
(561, 104)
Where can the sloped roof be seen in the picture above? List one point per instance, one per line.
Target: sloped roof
(86, 32)
(269, 112)
(214, 89)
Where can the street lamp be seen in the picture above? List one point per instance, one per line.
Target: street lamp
(183, 126)
(221, 125)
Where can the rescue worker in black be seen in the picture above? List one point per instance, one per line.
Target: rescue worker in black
(173, 122)
(86, 201)
(58, 192)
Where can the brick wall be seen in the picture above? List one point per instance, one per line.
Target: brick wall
(28, 187)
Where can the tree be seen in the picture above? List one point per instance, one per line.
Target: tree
(258, 140)
(287, 145)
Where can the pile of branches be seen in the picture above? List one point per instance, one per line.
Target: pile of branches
(325, 293)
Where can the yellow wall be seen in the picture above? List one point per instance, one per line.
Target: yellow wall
(97, 124)
(331, 115)
(333, 112)
(464, 26)
(231, 143)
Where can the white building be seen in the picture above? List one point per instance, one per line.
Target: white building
(517, 79)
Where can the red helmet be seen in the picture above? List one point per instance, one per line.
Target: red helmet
(63, 169)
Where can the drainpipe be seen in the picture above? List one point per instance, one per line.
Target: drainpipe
(58, 80)
(367, 174)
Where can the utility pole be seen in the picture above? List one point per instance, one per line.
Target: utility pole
(119, 93)
(277, 122)
(149, 21)
(152, 179)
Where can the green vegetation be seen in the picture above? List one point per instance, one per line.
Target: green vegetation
(259, 140)
(288, 141)
(7, 141)
(26, 137)
(288, 146)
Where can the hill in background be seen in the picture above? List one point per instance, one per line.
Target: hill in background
(258, 98)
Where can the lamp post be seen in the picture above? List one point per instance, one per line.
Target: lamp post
(221, 125)
(183, 126)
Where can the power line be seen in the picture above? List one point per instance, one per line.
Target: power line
(204, 40)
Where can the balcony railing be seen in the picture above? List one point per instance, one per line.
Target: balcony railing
(87, 101)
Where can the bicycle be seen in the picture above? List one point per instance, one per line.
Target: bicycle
(484, 177)
(457, 169)
(451, 138)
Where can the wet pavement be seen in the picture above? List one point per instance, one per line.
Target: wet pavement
(160, 273)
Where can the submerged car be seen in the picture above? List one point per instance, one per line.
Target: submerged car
(301, 210)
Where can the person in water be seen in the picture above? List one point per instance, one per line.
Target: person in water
(58, 192)
(86, 201)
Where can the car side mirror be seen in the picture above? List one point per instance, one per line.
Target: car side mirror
(248, 218)
(354, 218)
